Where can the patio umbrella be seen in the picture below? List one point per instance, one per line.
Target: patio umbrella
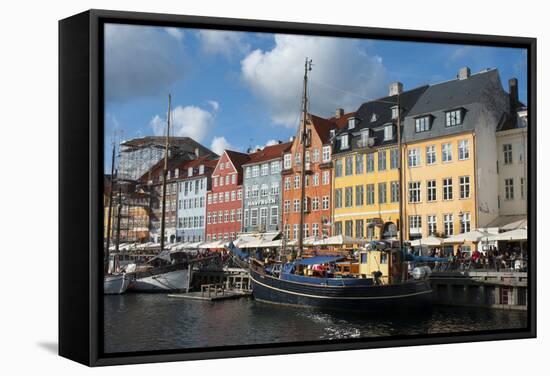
(430, 241)
(514, 235)
(471, 236)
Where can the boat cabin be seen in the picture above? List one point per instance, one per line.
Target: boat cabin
(382, 264)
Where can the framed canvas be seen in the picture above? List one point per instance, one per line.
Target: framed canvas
(236, 187)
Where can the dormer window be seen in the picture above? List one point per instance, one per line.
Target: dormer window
(332, 133)
(177, 173)
(190, 171)
(344, 143)
(365, 137)
(422, 124)
(394, 112)
(388, 132)
(373, 118)
(168, 175)
(352, 122)
(201, 169)
(453, 118)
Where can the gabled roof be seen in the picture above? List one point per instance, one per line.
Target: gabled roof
(269, 153)
(182, 143)
(323, 126)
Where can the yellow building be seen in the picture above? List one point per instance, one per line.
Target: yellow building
(440, 186)
(365, 172)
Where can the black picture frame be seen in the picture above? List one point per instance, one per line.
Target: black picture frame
(81, 184)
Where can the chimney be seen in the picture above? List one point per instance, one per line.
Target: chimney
(339, 113)
(396, 88)
(513, 90)
(464, 73)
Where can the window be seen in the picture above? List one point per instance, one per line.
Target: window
(464, 182)
(509, 189)
(315, 155)
(239, 194)
(306, 200)
(315, 228)
(415, 225)
(364, 258)
(255, 171)
(359, 195)
(344, 142)
(221, 181)
(209, 199)
(234, 179)
(338, 168)
(507, 149)
(255, 191)
(254, 217)
(382, 193)
(349, 165)
(238, 215)
(446, 152)
(370, 162)
(463, 150)
(326, 202)
(296, 206)
(388, 132)
(432, 190)
(349, 228)
(359, 164)
(349, 197)
(287, 163)
(275, 189)
(208, 219)
(287, 206)
(232, 215)
(264, 190)
(295, 231)
(370, 194)
(326, 177)
(364, 138)
(226, 197)
(352, 122)
(233, 195)
(414, 191)
(394, 191)
(265, 169)
(394, 158)
(448, 224)
(432, 224)
(465, 223)
(414, 157)
(227, 179)
(226, 216)
(215, 182)
(275, 167)
(326, 154)
(453, 118)
(338, 228)
(306, 230)
(422, 124)
(296, 181)
(522, 187)
(338, 198)
(315, 203)
(381, 160)
(359, 228)
(287, 232)
(287, 183)
(448, 189)
(297, 159)
(316, 180)
(430, 154)
(263, 216)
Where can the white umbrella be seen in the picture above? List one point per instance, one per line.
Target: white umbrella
(514, 235)
(471, 236)
(340, 240)
(430, 241)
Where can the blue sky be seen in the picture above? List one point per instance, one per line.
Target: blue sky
(239, 90)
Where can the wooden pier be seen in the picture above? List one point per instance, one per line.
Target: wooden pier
(480, 288)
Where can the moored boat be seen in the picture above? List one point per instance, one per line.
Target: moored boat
(114, 284)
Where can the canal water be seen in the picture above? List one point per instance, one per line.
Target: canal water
(144, 322)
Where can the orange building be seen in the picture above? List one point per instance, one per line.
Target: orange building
(318, 178)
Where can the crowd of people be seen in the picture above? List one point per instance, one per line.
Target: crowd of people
(511, 258)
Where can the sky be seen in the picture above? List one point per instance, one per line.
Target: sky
(240, 90)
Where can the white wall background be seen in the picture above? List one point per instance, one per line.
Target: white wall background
(28, 157)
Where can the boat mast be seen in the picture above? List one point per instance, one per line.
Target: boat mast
(303, 140)
(165, 173)
(400, 171)
(106, 252)
(119, 212)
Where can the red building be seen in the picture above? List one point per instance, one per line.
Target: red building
(224, 200)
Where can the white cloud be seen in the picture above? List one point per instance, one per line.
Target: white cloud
(271, 142)
(175, 32)
(219, 144)
(140, 61)
(227, 43)
(215, 105)
(190, 121)
(275, 75)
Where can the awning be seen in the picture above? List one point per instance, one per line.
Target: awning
(339, 240)
(319, 260)
(430, 241)
(514, 235)
(471, 236)
(509, 222)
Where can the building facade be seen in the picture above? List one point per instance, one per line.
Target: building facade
(193, 184)
(318, 179)
(450, 147)
(366, 176)
(262, 189)
(224, 200)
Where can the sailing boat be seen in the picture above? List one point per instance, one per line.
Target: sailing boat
(167, 271)
(316, 282)
(113, 282)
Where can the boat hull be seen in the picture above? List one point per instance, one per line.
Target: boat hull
(115, 284)
(175, 280)
(266, 288)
